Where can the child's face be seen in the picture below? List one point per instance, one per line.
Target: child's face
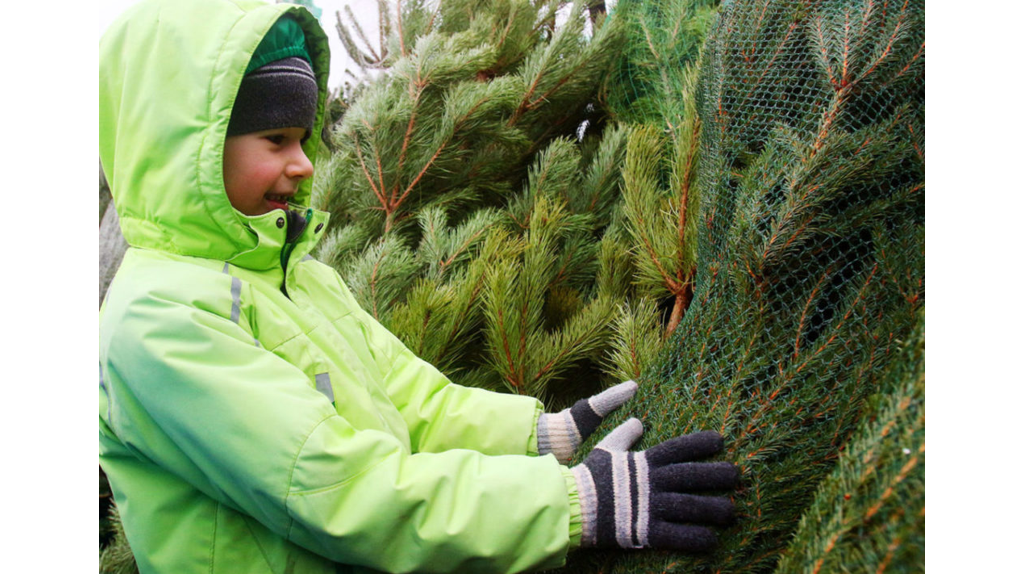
(262, 170)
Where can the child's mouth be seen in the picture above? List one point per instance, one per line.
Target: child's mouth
(278, 201)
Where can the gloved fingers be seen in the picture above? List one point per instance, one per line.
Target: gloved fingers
(683, 537)
(587, 414)
(612, 398)
(684, 448)
(622, 437)
(692, 509)
(691, 476)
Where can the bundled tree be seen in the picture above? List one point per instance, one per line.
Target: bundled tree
(809, 258)
(475, 198)
(651, 76)
(868, 515)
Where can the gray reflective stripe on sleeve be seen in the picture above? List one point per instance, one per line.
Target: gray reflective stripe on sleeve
(236, 295)
(258, 345)
(308, 257)
(236, 298)
(323, 384)
(105, 391)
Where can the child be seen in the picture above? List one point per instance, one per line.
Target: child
(252, 417)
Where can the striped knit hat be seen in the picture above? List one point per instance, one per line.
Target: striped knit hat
(279, 89)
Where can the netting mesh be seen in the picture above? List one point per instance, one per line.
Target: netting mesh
(664, 39)
(810, 256)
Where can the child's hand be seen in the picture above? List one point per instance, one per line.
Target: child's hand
(562, 433)
(643, 499)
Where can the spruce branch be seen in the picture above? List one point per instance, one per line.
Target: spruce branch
(869, 513)
(809, 256)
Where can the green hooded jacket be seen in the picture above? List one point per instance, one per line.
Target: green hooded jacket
(252, 418)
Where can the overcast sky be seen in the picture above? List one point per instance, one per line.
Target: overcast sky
(365, 10)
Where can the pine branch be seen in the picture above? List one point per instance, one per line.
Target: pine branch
(578, 339)
(636, 342)
(117, 557)
(642, 193)
(382, 275)
(599, 189)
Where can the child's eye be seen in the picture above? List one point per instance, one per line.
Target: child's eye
(276, 139)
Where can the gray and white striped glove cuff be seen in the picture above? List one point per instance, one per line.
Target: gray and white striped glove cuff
(562, 433)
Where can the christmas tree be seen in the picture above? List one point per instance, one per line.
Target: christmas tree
(474, 192)
(535, 197)
(653, 89)
(868, 515)
(809, 258)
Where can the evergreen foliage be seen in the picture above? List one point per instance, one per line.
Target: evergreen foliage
(868, 515)
(663, 40)
(655, 87)
(538, 208)
(116, 556)
(810, 255)
(475, 197)
(368, 56)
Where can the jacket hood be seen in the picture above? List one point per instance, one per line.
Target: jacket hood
(169, 74)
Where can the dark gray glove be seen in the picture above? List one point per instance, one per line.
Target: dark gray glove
(642, 499)
(561, 433)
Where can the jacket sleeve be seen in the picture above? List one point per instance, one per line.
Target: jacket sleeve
(442, 415)
(200, 399)
(439, 414)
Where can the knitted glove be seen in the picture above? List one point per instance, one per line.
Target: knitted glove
(562, 433)
(641, 499)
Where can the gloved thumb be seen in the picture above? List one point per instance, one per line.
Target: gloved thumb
(612, 398)
(622, 437)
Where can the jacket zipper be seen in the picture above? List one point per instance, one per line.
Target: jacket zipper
(289, 245)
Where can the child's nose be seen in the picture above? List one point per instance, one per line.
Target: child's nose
(299, 167)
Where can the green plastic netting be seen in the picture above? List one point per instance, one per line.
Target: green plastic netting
(663, 39)
(810, 247)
